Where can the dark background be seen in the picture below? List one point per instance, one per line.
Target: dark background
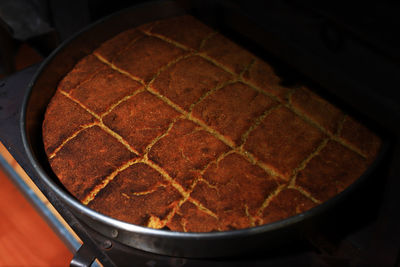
(361, 39)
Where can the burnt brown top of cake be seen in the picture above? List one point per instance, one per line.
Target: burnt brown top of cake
(173, 125)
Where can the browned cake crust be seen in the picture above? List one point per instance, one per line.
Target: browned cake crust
(172, 125)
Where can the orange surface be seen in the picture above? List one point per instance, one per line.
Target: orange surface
(25, 238)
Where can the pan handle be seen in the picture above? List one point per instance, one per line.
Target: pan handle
(83, 257)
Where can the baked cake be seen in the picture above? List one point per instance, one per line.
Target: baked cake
(172, 125)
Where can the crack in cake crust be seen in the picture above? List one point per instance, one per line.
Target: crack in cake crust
(268, 200)
(92, 194)
(167, 40)
(303, 164)
(305, 193)
(256, 123)
(158, 138)
(203, 42)
(208, 93)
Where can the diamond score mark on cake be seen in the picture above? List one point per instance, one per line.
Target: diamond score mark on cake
(186, 115)
(99, 123)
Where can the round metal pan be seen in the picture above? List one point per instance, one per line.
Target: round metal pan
(164, 242)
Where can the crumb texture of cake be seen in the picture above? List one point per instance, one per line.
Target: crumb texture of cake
(172, 125)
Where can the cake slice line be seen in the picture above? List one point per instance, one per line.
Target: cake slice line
(155, 140)
(130, 43)
(69, 138)
(268, 200)
(148, 32)
(118, 137)
(114, 67)
(345, 142)
(252, 219)
(247, 68)
(210, 92)
(80, 104)
(155, 222)
(303, 164)
(217, 160)
(271, 170)
(206, 182)
(305, 193)
(203, 42)
(341, 124)
(179, 187)
(92, 194)
(88, 79)
(322, 129)
(125, 98)
(168, 65)
(100, 124)
(168, 40)
(216, 63)
(184, 223)
(256, 123)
